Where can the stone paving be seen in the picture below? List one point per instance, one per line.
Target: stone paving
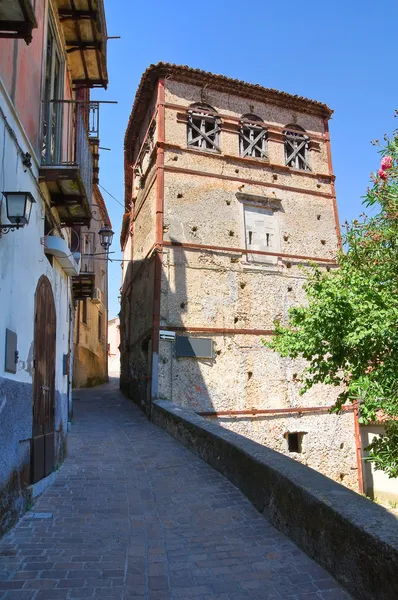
(134, 515)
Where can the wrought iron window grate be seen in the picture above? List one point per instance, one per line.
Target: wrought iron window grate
(203, 130)
(253, 139)
(297, 149)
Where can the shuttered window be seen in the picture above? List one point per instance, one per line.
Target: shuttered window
(261, 233)
(203, 129)
(297, 143)
(252, 138)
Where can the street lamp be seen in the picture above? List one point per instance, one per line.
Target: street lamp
(19, 207)
(106, 235)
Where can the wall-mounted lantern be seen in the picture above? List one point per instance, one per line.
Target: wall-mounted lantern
(106, 235)
(19, 207)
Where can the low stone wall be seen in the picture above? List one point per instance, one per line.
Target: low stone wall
(351, 537)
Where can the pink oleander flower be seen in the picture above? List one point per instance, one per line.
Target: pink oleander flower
(382, 174)
(386, 163)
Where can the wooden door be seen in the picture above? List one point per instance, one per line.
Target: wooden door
(43, 382)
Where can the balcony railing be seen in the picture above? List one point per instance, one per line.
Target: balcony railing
(65, 140)
(83, 285)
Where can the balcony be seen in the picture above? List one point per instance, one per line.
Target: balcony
(67, 161)
(84, 27)
(83, 285)
(17, 19)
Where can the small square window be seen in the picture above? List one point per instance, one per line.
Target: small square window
(295, 441)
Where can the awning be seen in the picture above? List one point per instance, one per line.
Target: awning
(84, 26)
(17, 19)
(69, 261)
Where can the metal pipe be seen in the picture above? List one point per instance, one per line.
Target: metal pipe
(330, 164)
(216, 330)
(246, 251)
(358, 448)
(159, 237)
(265, 184)
(271, 411)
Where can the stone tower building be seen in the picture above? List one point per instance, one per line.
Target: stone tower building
(229, 191)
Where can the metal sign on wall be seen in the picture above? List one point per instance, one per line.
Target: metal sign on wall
(194, 347)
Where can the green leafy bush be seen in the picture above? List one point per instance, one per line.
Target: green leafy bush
(348, 329)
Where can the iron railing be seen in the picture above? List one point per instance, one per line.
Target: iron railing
(66, 139)
(87, 250)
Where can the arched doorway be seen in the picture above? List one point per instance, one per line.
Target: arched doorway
(42, 454)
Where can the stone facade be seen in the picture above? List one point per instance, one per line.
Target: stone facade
(90, 357)
(195, 214)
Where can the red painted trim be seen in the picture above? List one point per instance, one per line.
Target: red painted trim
(159, 219)
(330, 164)
(258, 162)
(358, 448)
(148, 189)
(271, 411)
(217, 330)
(269, 126)
(172, 169)
(246, 251)
(145, 261)
(146, 135)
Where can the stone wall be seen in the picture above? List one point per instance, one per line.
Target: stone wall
(209, 292)
(351, 537)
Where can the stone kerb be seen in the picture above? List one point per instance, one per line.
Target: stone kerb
(353, 538)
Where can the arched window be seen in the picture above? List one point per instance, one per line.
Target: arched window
(203, 130)
(252, 137)
(297, 148)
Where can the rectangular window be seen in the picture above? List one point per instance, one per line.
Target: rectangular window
(261, 233)
(203, 131)
(100, 327)
(253, 141)
(297, 153)
(84, 311)
(53, 92)
(295, 442)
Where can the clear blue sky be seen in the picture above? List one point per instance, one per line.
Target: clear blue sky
(341, 53)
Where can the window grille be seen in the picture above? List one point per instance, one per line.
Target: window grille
(203, 129)
(297, 148)
(252, 138)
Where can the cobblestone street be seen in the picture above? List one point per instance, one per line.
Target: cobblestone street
(133, 515)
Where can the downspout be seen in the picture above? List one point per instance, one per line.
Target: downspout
(159, 241)
(358, 448)
(330, 164)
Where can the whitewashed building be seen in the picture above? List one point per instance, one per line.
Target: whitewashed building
(49, 158)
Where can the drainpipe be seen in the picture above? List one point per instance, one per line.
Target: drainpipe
(330, 164)
(159, 240)
(358, 448)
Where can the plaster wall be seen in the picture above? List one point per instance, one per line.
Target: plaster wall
(21, 71)
(377, 483)
(328, 445)
(144, 224)
(204, 288)
(90, 355)
(242, 375)
(22, 264)
(203, 210)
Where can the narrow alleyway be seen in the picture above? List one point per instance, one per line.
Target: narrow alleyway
(133, 515)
